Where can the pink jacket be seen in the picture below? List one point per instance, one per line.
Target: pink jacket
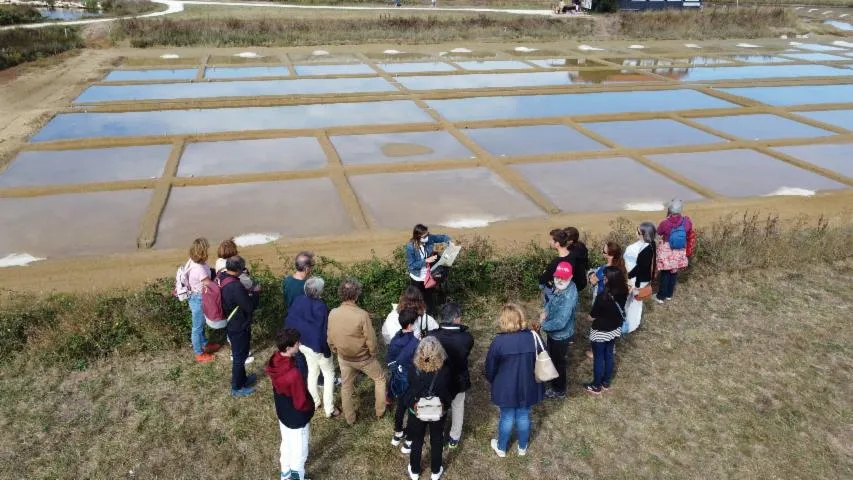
(672, 221)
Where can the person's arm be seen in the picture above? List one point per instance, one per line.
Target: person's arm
(370, 334)
(557, 314)
(439, 238)
(413, 258)
(329, 337)
(491, 364)
(299, 393)
(240, 297)
(393, 351)
(597, 307)
(323, 312)
(664, 227)
(547, 277)
(431, 324)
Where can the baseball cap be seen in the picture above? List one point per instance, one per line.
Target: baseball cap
(564, 271)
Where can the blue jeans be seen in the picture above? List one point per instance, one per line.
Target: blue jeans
(240, 341)
(602, 362)
(518, 417)
(197, 336)
(668, 279)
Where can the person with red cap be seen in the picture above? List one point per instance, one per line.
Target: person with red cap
(558, 322)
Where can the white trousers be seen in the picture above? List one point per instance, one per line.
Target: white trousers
(457, 414)
(634, 311)
(294, 449)
(317, 363)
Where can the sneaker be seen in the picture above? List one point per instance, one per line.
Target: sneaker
(204, 358)
(590, 388)
(667, 299)
(251, 380)
(295, 476)
(554, 395)
(286, 475)
(407, 447)
(243, 392)
(589, 354)
(658, 301)
(605, 386)
(397, 438)
(212, 347)
(412, 475)
(497, 450)
(522, 452)
(249, 359)
(452, 443)
(437, 476)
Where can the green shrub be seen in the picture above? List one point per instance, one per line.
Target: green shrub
(18, 14)
(605, 6)
(21, 45)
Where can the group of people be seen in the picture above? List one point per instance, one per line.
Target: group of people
(427, 361)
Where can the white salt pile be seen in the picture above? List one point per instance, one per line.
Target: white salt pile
(246, 55)
(636, 47)
(791, 192)
(169, 56)
(18, 260)
(470, 222)
(748, 45)
(691, 45)
(392, 52)
(587, 48)
(319, 53)
(460, 50)
(526, 49)
(645, 207)
(250, 239)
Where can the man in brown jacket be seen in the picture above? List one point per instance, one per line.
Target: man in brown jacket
(352, 338)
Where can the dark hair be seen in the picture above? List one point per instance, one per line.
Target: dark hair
(417, 232)
(304, 261)
(227, 249)
(286, 338)
(450, 311)
(615, 250)
(235, 264)
(412, 298)
(560, 236)
(407, 317)
(615, 283)
(573, 233)
(350, 290)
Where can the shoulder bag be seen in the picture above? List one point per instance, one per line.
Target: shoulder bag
(544, 370)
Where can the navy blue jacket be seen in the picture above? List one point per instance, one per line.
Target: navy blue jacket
(510, 367)
(402, 348)
(234, 295)
(311, 317)
(457, 342)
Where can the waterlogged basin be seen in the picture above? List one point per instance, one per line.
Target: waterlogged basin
(760, 59)
(72, 224)
(602, 184)
(156, 74)
(563, 62)
(254, 88)
(251, 156)
(762, 127)
(743, 173)
(532, 140)
(761, 71)
(652, 133)
(841, 118)
(817, 47)
(509, 80)
(831, 156)
(342, 69)
(844, 26)
(245, 72)
(197, 121)
(474, 196)
(700, 61)
(398, 147)
(292, 208)
(817, 57)
(526, 106)
(416, 67)
(494, 65)
(796, 95)
(85, 166)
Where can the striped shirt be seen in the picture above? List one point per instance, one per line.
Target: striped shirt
(599, 336)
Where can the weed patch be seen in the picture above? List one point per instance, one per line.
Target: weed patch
(21, 45)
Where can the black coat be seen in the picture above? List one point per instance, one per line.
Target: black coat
(578, 257)
(606, 315)
(235, 295)
(419, 383)
(457, 342)
(644, 270)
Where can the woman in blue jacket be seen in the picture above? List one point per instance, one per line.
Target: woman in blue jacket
(420, 256)
(510, 366)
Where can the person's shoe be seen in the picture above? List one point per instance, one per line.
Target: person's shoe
(605, 387)
(295, 476)
(437, 476)
(554, 395)
(397, 438)
(589, 354)
(497, 450)
(658, 301)
(590, 388)
(452, 443)
(286, 475)
(251, 380)
(407, 447)
(212, 348)
(522, 452)
(667, 299)
(204, 357)
(242, 392)
(249, 359)
(412, 475)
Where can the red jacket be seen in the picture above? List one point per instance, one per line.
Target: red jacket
(293, 404)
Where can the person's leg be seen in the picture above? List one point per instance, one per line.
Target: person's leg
(299, 452)
(313, 372)
(348, 379)
(417, 430)
(399, 415)
(198, 339)
(673, 280)
(457, 416)
(436, 444)
(505, 424)
(284, 451)
(240, 350)
(664, 290)
(522, 426)
(598, 362)
(559, 351)
(609, 362)
(374, 371)
(327, 366)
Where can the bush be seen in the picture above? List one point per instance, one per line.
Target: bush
(21, 45)
(126, 8)
(18, 14)
(714, 22)
(605, 6)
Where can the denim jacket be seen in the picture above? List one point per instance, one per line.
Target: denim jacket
(414, 260)
(560, 313)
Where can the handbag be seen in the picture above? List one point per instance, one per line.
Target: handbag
(429, 407)
(647, 291)
(429, 281)
(544, 369)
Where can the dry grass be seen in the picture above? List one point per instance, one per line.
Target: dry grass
(711, 23)
(743, 376)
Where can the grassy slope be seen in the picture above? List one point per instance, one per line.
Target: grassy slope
(744, 375)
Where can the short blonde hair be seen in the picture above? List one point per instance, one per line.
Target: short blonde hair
(198, 251)
(430, 355)
(512, 319)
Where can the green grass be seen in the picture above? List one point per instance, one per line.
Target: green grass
(18, 14)
(23, 44)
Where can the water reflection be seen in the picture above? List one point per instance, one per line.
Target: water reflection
(256, 156)
(508, 80)
(762, 127)
(494, 65)
(841, 118)
(157, 74)
(241, 72)
(398, 147)
(343, 69)
(795, 95)
(415, 67)
(532, 140)
(652, 133)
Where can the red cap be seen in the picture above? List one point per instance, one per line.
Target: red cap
(564, 271)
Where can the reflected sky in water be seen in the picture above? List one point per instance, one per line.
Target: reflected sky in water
(796, 95)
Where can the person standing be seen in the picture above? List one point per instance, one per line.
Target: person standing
(612, 253)
(458, 342)
(294, 406)
(675, 231)
(578, 257)
(510, 366)
(640, 263)
(293, 286)
(198, 273)
(420, 257)
(401, 351)
(560, 242)
(228, 249)
(410, 298)
(430, 378)
(310, 316)
(608, 315)
(558, 323)
(351, 336)
(239, 305)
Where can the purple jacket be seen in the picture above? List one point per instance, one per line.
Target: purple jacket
(672, 221)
